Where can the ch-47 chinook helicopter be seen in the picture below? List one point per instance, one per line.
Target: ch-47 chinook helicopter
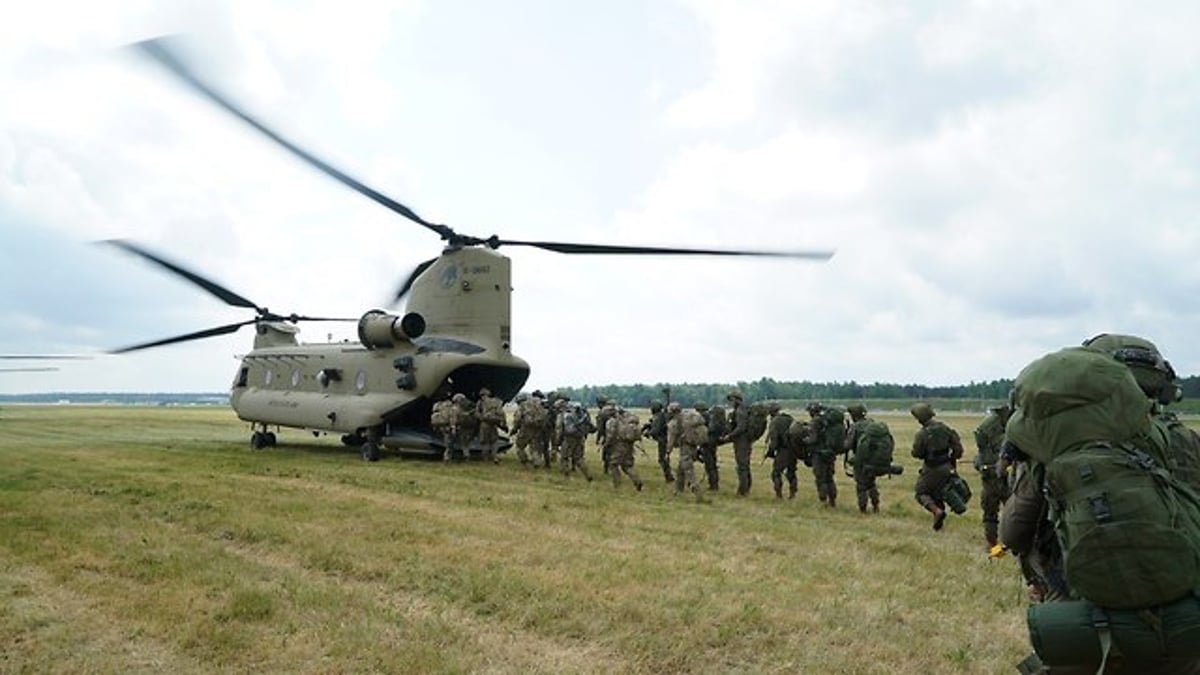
(454, 337)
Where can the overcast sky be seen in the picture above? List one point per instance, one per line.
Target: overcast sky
(998, 180)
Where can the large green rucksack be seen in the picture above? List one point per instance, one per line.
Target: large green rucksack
(874, 447)
(1128, 529)
(757, 421)
(833, 429)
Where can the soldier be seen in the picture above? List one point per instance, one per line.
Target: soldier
(556, 403)
(1047, 419)
(572, 427)
(444, 421)
(989, 439)
(714, 419)
(686, 432)
(864, 433)
(656, 429)
(779, 448)
(467, 424)
(490, 412)
(621, 431)
(537, 417)
(521, 434)
(739, 434)
(826, 436)
(939, 447)
(606, 412)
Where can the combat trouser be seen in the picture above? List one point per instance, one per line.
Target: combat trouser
(685, 472)
(824, 464)
(784, 464)
(995, 491)
(866, 489)
(572, 457)
(621, 461)
(708, 455)
(664, 459)
(489, 438)
(741, 456)
(930, 483)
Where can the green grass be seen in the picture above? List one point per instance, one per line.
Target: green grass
(155, 540)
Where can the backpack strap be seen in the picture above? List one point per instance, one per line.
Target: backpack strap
(1104, 632)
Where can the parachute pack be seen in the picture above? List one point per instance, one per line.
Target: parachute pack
(1129, 530)
(874, 447)
(757, 421)
(833, 429)
(576, 422)
(629, 428)
(491, 410)
(692, 431)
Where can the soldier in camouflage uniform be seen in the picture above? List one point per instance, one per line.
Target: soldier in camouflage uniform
(444, 421)
(606, 411)
(779, 448)
(572, 427)
(490, 413)
(621, 431)
(714, 419)
(939, 447)
(825, 443)
(467, 424)
(684, 429)
(656, 429)
(989, 439)
(865, 487)
(556, 403)
(739, 435)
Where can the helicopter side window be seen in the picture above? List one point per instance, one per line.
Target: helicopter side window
(296, 377)
(360, 381)
(447, 345)
(243, 377)
(268, 375)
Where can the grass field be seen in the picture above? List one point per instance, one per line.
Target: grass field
(155, 540)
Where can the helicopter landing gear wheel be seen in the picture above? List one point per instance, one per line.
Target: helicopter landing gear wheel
(353, 440)
(258, 440)
(370, 451)
(270, 438)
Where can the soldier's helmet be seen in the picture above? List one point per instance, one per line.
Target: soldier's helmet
(773, 408)
(814, 408)
(701, 406)
(484, 391)
(857, 410)
(1153, 373)
(673, 408)
(459, 397)
(601, 400)
(922, 411)
(655, 406)
(521, 397)
(537, 393)
(561, 404)
(734, 395)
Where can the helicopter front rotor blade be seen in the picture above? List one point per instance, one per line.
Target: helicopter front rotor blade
(200, 334)
(43, 357)
(226, 295)
(158, 50)
(611, 249)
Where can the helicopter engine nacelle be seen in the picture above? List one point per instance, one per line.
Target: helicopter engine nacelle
(379, 330)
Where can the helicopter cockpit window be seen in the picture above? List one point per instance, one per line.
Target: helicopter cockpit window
(243, 377)
(449, 345)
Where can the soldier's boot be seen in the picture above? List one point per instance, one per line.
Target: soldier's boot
(792, 491)
(832, 503)
(939, 515)
(875, 505)
(862, 503)
(990, 534)
(778, 492)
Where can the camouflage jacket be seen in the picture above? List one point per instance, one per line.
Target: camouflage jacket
(777, 432)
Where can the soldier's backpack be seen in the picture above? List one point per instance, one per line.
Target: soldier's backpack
(1184, 443)
(491, 410)
(692, 429)
(874, 448)
(833, 429)
(799, 441)
(534, 413)
(629, 428)
(718, 423)
(757, 420)
(1128, 529)
(442, 415)
(577, 422)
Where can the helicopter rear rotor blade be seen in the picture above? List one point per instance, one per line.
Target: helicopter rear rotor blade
(411, 278)
(611, 249)
(158, 50)
(198, 335)
(226, 295)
